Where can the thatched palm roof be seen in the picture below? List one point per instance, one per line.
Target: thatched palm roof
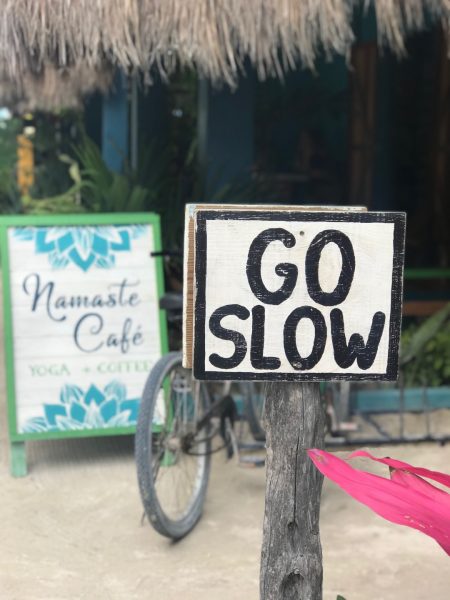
(214, 36)
(53, 88)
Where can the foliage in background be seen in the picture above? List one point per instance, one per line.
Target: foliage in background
(162, 183)
(102, 189)
(55, 189)
(71, 175)
(425, 351)
(55, 134)
(67, 203)
(9, 194)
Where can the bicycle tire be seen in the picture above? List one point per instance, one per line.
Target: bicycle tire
(254, 408)
(148, 466)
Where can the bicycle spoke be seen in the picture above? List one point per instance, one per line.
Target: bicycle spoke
(177, 473)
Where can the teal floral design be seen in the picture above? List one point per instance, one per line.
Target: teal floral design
(85, 247)
(93, 409)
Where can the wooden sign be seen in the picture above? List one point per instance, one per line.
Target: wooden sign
(82, 322)
(294, 295)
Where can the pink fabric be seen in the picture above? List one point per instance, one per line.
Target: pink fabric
(405, 499)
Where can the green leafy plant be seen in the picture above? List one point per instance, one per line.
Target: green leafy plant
(165, 180)
(425, 351)
(9, 193)
(106, 191)
(67, 203)
(54, 135)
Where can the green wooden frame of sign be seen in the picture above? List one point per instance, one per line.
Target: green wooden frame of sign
(17, 440)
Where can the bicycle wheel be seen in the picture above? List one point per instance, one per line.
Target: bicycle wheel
(255, 400)
(172, 458)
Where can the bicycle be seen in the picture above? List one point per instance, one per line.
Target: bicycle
(178, 420)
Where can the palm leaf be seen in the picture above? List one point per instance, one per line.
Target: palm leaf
(426, 331)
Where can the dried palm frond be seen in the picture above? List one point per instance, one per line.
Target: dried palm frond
(216, 37)
(53, 88)
(396, 18)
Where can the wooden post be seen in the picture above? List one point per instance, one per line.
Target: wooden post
(291, 559)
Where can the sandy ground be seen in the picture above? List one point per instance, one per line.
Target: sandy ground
(72, 530)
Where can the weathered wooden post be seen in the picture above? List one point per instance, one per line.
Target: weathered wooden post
(292, 296)
(291, 559)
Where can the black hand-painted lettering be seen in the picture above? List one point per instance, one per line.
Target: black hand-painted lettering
(237, 338)
(340, 292)
(257, 358)
(286, 270)
(290, 337)
(346, 354)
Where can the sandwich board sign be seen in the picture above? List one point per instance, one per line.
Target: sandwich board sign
(292, 294)
(82, 323)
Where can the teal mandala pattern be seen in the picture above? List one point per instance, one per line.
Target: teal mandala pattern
(90, 409)
(85, 247)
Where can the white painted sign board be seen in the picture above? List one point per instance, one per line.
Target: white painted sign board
(85, 325)
(297, 295)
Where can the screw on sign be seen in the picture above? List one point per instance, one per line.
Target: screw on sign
(293, 298)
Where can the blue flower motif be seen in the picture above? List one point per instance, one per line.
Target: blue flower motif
(85, 247)
(92, 409)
